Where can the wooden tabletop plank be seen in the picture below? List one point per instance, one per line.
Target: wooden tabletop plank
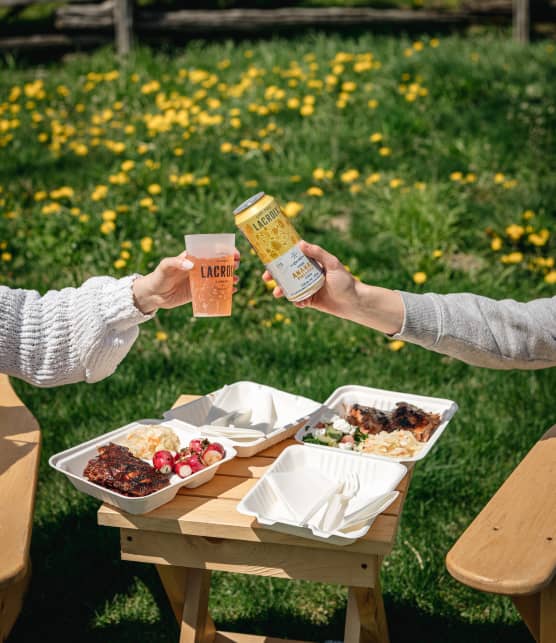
(510, 547)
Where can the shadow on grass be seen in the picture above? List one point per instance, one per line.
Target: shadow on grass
(77, 573)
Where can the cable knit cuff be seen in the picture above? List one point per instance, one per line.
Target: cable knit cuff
(117, 305)
(422, 322)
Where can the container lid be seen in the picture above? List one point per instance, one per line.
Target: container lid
(250, 201)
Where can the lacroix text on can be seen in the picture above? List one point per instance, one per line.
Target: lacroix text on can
(275, 241)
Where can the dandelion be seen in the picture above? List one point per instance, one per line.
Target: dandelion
(349, 176)
(119, 264)
(40, 195)
(395, 183)
(419, 185)
(419, 278)
(434, 42)
(372, 178)
(161, 336)
(146, 244)
(109, 215)
(376, 137)
(99, 193)
(515, 232)
(125, 244)
(550, 277)
(499, 178)
(271, 284)
(470, 177)
(437, 254)
(456, 176)
(315, 191)
(527, 215)
(226, 148)
(512, 257)
(125, 254)
(307, 110)
(539, 238)
(126, 166)
(279, 317)
(295, 178)
(6, 257)
(385, 151)
(252, 303)
(107, 227)
(292, 209)
(496, 244)
(396, 345)
(51, 208)
(372, 104)
(146, 202)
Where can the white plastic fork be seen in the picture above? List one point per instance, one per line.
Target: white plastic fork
(336, 510)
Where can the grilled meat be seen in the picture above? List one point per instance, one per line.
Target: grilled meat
(404, 416)
(369, 419)
(419, 422)
(117, 468)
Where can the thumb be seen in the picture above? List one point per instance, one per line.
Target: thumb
(327, 260)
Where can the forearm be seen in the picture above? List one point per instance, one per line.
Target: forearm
(378, 308)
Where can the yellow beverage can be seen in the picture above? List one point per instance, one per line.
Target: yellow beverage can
(275, 240)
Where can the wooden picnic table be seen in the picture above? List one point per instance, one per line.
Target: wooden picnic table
(201, 531)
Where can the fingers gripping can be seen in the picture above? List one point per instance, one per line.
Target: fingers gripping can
(275, 241)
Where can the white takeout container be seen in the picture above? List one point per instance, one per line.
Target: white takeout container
(291, 411)
(375, 477)
(73, 461)
(344, 397)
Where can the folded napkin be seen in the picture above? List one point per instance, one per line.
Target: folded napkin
(300, 492)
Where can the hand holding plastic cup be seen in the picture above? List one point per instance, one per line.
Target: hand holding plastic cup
(212, 275)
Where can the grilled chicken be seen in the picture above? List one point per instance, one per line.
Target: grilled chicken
(404, 416)
(117, 468)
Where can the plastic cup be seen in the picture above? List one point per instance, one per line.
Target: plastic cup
(212, 275)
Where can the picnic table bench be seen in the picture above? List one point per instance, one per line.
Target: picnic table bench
(19, 464)
(510, 547)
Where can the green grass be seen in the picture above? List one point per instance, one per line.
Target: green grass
(486, 108)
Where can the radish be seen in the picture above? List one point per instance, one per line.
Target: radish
(163, 461)
(198, 445)
(182, 469)
(214, 452)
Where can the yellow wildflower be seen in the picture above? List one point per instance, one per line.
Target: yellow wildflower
(385, 151)
(437, 254)
(306, 110)
(295, 178)
(550, 277)
(512, 257)
(372, 178)
(161, 336)
(456, 176)
(6, 257)
(539, 238)
(349, 176)
(499, 178)
(109, 215)
(395, 183)
(146, 244)
(470, 177)
(119, 264)
(292, 209)
(372, 104)
(279, 317)
(226, 147)
(126, 166)
(107, 227)
(315, 191)
(146, 202)
(376, 137)
(40, 195)
(420, 277)
(496, 244)
(271, 285)
(527, 215)
(515, 232)
(396, 345)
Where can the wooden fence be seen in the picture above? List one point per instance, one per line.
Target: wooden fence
(122, 19)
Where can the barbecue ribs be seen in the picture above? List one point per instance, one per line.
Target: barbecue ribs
(117, 468)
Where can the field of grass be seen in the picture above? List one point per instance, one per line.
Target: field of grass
(426, 166)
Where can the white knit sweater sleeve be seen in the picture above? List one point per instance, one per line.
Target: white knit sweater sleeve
(70, 335)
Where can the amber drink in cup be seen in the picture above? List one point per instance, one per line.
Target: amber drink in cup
(212, 275)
